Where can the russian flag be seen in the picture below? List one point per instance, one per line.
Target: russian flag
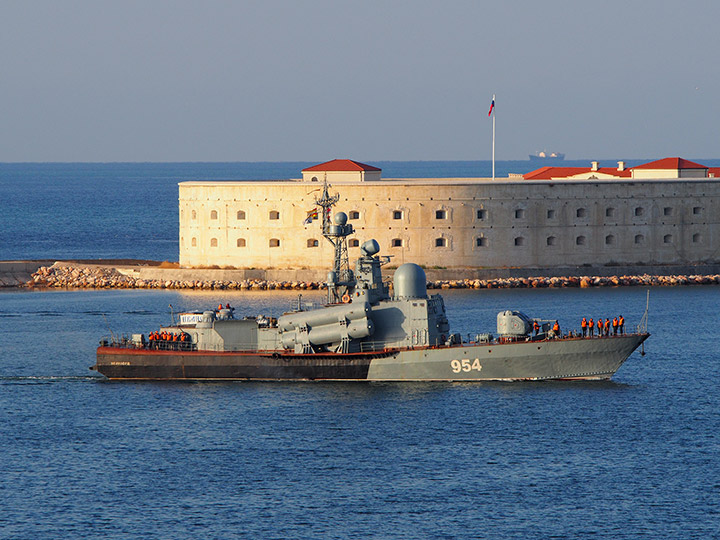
(492, 106)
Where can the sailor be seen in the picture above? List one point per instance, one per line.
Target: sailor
(583, 325)
(227, 306)
(621, 324)
(615, 326)
(220, 307)
(536, 327)
(556, 329)
(591, 327)
(607, 327)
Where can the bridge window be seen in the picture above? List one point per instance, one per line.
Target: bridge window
(194, 214)
(609, 212)
(581, 213)
(481, 241)
(697, 210)
(519, 241)
(440, 214)
(609, 240)
(397, 214)
(551, 240)
(213, 214)
(354, 242)
(667, 211)
(240, 214)
(354, 214)
(519, 213)
(312, 242)
(481, 214)
(193, 242)
(396, 242)
(240, 242)
(274, 214)
(639, 211)
(274, 242)
(696, 238)
(440, 242)
(551, 214)
(667, 239)
(213, 242)
(580, 241)
(639, 239)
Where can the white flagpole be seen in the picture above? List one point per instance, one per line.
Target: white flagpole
(493, 139)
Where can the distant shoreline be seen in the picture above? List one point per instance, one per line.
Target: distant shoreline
(145, 274)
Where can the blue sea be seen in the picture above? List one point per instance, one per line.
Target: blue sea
(635, 457)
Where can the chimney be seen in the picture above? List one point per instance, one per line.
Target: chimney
(621, 165)
(594, 165)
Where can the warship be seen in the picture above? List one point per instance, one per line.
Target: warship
(367, 331)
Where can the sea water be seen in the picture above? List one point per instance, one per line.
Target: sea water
(635, 457)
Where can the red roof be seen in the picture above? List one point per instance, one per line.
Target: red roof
(343, 165)
(714, 171)
(548, 173)
(671, 163)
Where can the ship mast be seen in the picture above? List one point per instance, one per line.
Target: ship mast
(341, 280)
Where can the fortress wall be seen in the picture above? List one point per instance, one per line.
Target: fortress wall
(454, 223)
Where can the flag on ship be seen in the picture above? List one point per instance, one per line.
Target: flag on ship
(312, 214)
(492, 106)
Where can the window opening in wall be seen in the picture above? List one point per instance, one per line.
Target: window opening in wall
(696, 238)
(580, 241)
(440, 242)
(240, 214)
(193, 242)
(312, 242)
(354, 214)
(639, 211)
(240, 242)
(396, 242)
(519, 241)
(274, 214)
(609, 212)
(639, 239)
(667, 239)
(609, 240)
(440, 214)
(194, 214)
(481, 214)
(581, 213)
(397, 214)
(697, 210)
(274, 242)
(213, 214)
(354, 242)
(551, 240)
(667, 211)
(213, 242)
(551, 214)
(481, 241)
(519, 213)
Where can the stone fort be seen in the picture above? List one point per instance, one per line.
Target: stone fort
(660, 213)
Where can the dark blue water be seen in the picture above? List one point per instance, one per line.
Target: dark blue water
(130, 210)
(637, 457)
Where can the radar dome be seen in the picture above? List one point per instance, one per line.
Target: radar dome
(371, 247)
(340, 218)
(409, 281)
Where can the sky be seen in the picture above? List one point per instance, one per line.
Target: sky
(315, 80)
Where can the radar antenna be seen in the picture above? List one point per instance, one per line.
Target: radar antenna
(341, 280)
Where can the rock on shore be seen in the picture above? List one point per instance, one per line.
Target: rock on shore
(79, 277)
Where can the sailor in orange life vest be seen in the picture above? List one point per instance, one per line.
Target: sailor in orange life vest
(536, 327)
(621, 324)
(615, 326)
(583, 325)
(556, 329)
(607, 327)
(591, 327)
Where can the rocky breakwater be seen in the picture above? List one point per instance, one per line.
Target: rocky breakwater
(99, 277)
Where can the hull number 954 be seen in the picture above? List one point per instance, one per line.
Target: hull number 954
(465, 365)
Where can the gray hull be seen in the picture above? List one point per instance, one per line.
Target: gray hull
(588, 359)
